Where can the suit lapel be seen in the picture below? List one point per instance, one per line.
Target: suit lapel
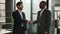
(18, 14)
(23, 15)
(42, 13)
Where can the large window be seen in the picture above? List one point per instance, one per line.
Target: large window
(35, 8)
(2, 13)
(57, 12)
(50, 1)
(27, 8)
(31, 7)
(2, 10)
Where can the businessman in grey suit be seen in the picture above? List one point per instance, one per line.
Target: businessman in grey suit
(43, 19)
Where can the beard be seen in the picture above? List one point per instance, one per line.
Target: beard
(20, 8)
(41, 7)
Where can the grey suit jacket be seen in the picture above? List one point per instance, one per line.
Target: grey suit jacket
(43, 21)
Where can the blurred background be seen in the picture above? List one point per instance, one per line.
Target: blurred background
(31, 7)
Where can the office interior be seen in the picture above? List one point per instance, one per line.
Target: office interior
(31, 7)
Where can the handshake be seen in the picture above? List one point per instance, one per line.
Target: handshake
(30, 21)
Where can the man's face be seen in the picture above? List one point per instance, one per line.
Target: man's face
(20, 7)
(42, 5)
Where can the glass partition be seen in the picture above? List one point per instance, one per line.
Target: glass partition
(27, 8)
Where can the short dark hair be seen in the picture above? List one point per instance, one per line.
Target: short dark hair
(43, 2)
(18, 3)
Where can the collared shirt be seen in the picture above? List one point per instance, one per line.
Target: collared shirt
(41, 12)
(20, 12)
(40, 16)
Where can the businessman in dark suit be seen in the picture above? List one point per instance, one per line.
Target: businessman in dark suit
(19, 20)
(43, 19)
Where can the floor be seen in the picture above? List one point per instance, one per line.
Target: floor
(31, 31)
(4, 31)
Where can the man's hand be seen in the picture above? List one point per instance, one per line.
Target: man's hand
(30, 22)
(25, 32)
(45, 32)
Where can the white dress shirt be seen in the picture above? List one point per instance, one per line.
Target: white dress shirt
(42, 12)
(20, 12)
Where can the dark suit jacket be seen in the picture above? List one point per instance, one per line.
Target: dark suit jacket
(18, 29)
(43, 21)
